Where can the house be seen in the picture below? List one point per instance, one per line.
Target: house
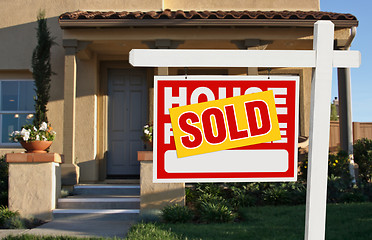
(99, 102)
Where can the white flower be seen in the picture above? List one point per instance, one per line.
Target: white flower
(26, 136)
(37, 138)
(24, 131)
(146, 131)
(43, 126)
(35, 128)
(44, 138)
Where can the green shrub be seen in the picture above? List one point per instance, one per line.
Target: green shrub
(241, 196)
(15, 222)
(352, 196)
(209, 188)
(150, 216)
(191, 195)
(366, 189)
(217, 212)
(338, 165)
(297, 192)
(275, 196)
(6, 217)
(336, 187)
(363, 157)
(177, 214)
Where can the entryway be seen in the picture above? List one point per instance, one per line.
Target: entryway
(127, 114)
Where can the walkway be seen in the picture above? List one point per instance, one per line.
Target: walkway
(77, 228)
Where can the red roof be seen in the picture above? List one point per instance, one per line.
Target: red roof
(180, 17)
(168, 14)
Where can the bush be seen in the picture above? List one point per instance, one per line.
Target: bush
(150, 215)
(363, 157)
(15, 222)
(355, 195)
(241, 196)
(216, 212)
(177, 214)
(9, 219)
(338, 165)
(366, 189)
(336, 186)
(275, 195)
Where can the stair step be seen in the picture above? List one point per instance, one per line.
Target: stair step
(99, 203)
(97, 214)
(121, 181)
(101, 196)
(107, 189)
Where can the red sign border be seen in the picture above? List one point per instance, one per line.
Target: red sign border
(158, 166)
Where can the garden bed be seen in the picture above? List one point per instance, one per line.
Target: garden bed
(344, 222)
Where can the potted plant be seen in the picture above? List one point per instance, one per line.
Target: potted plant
(39, 136)
(35, 140)
(147, 136)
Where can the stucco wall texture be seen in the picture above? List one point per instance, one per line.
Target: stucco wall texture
(41, 187)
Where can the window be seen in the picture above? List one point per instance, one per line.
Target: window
(16, 106)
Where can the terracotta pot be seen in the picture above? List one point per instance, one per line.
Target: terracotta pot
(148, 146)
(36, 146)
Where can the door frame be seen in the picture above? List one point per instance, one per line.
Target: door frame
(102, 113)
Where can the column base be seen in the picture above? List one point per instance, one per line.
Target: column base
(70, 174)
(155, 196)
(34, 184)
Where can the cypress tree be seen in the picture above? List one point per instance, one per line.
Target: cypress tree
(41, 69)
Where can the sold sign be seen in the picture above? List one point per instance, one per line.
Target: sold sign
(225, 124)
(232, 121)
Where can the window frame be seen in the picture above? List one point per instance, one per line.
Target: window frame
(2, 113)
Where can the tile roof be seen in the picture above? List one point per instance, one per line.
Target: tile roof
(168, 14)
(287, 16)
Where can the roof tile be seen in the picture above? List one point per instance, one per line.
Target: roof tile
(180, 14)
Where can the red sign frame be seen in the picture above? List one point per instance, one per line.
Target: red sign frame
(265, 162)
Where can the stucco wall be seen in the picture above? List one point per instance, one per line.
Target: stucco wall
(17, 25)
(34, 189)
(238, 5)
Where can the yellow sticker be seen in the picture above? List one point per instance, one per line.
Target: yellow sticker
(225, 124)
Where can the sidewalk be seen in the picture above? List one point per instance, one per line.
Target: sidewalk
(77, 228)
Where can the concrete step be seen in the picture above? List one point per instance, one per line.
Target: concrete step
(107, 189)
(99, 202)
(121, 181)
(96, 214)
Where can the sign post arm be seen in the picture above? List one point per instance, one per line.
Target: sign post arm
(316, 197)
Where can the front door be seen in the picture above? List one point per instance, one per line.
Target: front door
(127, 114)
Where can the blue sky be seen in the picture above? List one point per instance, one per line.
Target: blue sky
(361, 78)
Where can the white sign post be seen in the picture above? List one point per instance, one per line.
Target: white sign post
(322, 58)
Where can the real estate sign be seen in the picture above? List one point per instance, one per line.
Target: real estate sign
(227, 128)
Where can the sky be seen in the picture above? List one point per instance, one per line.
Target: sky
(361, 78)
